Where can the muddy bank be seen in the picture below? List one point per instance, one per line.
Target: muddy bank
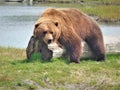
(105, 20)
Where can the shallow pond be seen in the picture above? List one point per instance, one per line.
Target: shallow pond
(17, 23)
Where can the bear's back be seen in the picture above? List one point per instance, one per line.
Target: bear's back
(72, 18)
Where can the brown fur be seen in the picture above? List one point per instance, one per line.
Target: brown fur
(69, 27)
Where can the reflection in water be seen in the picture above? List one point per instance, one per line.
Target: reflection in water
(17, 23)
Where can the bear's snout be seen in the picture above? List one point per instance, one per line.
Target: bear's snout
(48, 38)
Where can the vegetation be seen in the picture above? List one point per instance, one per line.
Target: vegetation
(16, 73)
(103, 10)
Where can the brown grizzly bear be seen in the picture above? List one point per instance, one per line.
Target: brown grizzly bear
(70, 27)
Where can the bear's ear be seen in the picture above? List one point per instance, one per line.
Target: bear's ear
(56, 23)
(36, 25)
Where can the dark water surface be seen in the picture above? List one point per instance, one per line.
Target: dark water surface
(17, 23)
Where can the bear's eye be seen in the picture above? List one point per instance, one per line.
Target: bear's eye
(56, 23)
(44, 32)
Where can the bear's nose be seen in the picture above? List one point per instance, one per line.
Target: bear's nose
(49, 41)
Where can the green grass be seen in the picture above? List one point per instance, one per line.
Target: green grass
(16, 72)
(105, 13)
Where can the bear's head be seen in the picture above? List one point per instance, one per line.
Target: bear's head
(47, 31)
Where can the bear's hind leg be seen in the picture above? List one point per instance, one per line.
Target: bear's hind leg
(97, 47)
(75, 53)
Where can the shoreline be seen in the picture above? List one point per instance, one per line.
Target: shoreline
(98, 13)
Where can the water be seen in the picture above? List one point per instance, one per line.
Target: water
(17, 24)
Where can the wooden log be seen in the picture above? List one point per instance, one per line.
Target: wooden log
(112, 46)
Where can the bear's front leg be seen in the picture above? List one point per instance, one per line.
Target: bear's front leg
(46, 53)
